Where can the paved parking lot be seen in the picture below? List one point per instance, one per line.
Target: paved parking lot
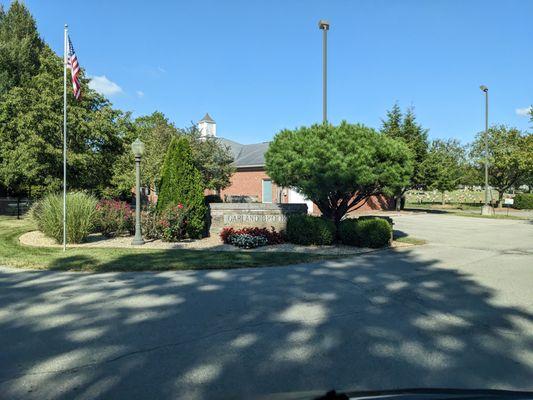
(457, 312)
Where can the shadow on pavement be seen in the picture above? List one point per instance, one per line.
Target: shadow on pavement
(380, 321)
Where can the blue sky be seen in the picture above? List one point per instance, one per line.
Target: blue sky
(255, 66)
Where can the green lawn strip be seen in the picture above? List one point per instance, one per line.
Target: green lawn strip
(12, 253)
(459, 213)
(496, 216)
(410, 240)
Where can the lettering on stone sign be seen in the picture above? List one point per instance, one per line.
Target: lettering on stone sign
(251, 219)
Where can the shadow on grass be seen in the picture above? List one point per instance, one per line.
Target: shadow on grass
(378, 321)
(109, 260)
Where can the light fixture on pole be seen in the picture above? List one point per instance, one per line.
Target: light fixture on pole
(324, 26)
(487, 208)
(138, 149)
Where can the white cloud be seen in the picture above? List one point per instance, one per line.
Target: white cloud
(140, 94)
(104, 86)
(524, 112)
(161, 69)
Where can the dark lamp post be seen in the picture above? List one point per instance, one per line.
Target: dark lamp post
(324, 26)
(138, 149)
(487, 208)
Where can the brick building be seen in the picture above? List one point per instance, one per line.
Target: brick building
(251, 183)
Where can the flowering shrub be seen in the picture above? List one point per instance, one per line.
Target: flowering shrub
(114, 218)
(172, 223)
(272, 236)
(247, 241)
(150, 222)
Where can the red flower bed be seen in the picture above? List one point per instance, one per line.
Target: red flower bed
(272, 236)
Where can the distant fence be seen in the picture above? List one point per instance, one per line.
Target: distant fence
(14, 207)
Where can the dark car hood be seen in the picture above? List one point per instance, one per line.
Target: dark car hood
(405, 394)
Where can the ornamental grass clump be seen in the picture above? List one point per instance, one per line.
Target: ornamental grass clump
(81, 213)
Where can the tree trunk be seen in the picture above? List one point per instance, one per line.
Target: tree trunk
(500, 197)
(398, 202)
(443, 199)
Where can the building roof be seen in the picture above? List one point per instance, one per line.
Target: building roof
(247, 155)
(207, 118)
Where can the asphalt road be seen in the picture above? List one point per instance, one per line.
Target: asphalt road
(457, 312)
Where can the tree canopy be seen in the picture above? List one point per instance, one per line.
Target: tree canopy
(444, 165)
(31, 117)
(210, 157)
(510, 156)
(338, 167)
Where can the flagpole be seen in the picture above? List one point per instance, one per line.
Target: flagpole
(65, 60)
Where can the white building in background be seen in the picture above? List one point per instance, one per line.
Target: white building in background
(207, 126)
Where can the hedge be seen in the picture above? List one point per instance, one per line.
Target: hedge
(307, 230)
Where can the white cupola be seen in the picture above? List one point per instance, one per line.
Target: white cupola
(207, 126)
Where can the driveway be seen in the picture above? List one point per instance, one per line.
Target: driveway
(457, 312)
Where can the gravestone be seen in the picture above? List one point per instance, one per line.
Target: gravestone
(261, 215)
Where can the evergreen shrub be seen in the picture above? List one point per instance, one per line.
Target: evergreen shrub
(373, 232)
(181, 183)
(307, 230)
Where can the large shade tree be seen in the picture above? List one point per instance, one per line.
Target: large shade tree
(510, 157)
(338, 167)
(31, 119)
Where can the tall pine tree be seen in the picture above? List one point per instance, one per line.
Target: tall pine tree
(406, 128)
(20, 47)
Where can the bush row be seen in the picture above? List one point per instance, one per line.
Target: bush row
(86, 215)
(365, 232)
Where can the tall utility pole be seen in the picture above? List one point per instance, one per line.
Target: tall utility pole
(324, 25)
(487, 208)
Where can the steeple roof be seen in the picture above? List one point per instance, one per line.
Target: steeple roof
(207, 118)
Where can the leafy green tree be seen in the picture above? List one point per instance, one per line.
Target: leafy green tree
(181, 183)
(444, 166)
(338, 167)
(20, 47)
(213, 159)
(31, 120)
(406, 128)
(156, 132)
(510, 157)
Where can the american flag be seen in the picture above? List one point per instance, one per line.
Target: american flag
(74, 70)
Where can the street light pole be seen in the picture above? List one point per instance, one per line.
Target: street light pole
(324, 26)
(138, 148)
(487, 208)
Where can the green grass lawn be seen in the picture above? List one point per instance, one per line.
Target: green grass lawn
(12, 253)
(410, 240)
